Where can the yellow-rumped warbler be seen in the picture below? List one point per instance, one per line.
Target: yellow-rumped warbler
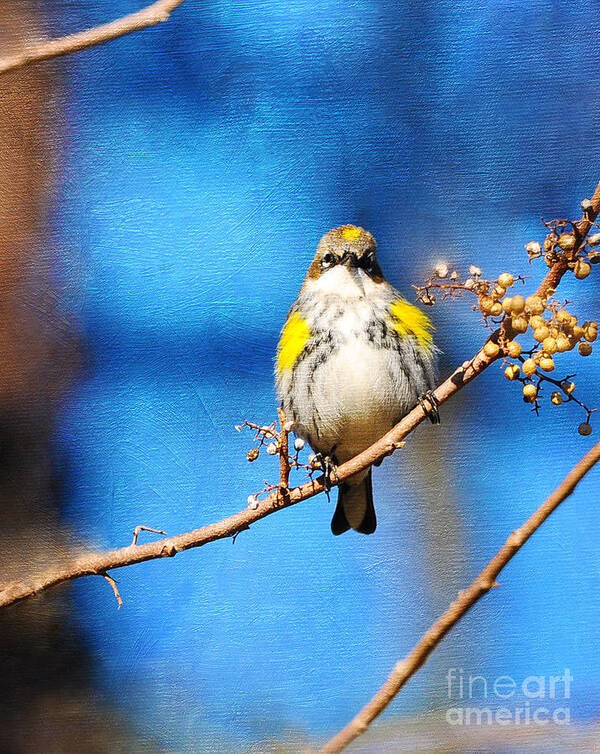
(354, 357)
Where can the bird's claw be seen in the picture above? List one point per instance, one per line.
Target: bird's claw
(329, 468)
(430, 405)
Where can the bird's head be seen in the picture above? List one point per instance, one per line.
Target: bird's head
(346, 258)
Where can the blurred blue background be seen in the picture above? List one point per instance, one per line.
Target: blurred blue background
(204, 160)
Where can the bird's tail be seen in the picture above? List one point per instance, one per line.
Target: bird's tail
(355, 508)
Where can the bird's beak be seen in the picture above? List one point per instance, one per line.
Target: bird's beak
(350, 260)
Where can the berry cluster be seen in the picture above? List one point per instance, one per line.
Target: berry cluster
(562, 241)
(552, 329)
(266, 436)
(274, 441)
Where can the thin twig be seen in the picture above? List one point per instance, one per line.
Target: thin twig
(115, 589)
(150, 16)
(407, 667)
(139, 529)
(95, 563)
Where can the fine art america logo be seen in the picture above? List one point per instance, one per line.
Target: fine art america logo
(504, 700)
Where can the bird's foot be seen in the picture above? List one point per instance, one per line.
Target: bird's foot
(430, 405)
(329, 468)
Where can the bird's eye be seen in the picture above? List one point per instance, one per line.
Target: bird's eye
(368, 260)
(327, 260)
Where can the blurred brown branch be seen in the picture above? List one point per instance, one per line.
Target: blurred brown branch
(99, 563)
(150, 16)
(407, 667)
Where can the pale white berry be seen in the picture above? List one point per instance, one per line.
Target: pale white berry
(533, 249)
(272, 449)
(299, 443)
(252, 502)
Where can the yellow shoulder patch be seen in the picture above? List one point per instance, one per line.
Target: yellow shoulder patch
(410, 320)
(294, 338)
(351, 232)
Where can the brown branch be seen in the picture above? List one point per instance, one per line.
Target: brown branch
(98, 563)
(407, 667)
(151, 16)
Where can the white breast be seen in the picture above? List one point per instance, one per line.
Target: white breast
(357, 393)
(358, 397)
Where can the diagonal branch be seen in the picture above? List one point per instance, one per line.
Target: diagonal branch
(98, 563)
(150, 16)
(407, 667)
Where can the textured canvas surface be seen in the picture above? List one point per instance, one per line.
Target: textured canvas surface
(201, 161)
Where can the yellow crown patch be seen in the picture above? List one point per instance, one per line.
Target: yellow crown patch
(351, 232)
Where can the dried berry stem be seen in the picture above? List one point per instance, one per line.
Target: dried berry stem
(284, 459)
